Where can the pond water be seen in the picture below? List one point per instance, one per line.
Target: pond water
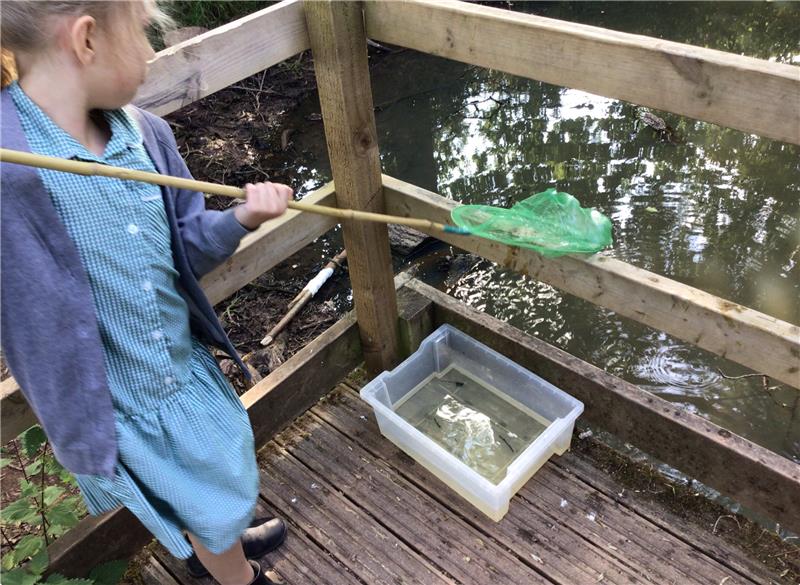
(714, 208)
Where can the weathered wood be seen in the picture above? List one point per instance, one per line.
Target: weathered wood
(303, 379)
(15, 412)
(258, 252)
(212, 61)
(404, 509)
(96, 540)
(750, 474)
(348, 533)
(416, 319)
(748, 94)
(632, 539)
(540, 534)
(689, 532)
(753, 339)
(336, 33)
(154, 573)
(269, 245)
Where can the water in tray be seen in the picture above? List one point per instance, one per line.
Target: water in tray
(471, 420)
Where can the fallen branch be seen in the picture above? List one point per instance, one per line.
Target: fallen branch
(297, 303)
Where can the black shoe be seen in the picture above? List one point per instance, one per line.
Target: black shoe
(258, 540)
(259, 578)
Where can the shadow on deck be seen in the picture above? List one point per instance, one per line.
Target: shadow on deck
(362, 512)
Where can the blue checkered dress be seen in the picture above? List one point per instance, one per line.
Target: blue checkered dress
(186, 455)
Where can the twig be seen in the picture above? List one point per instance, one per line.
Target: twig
(19, 460)
(734, 518)
(305, 295)
(41, 495)
(721, 373)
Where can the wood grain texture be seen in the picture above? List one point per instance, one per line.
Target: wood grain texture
(748, 94)
(339, 47)
(214, 60)
(748, 473)
(760, 342)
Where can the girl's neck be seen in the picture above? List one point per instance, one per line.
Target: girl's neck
(48, 88)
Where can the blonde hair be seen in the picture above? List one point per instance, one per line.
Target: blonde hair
(26, 25)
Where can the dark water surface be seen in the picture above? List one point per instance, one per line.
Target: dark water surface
(718, 210)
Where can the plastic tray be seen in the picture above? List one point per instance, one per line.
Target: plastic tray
(441, 350)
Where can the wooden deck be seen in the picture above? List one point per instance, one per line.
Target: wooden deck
(362, 512)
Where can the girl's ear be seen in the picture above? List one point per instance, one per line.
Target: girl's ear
(83, 39)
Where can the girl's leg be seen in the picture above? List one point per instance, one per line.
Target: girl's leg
(228, 568)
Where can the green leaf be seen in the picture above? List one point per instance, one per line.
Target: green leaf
(28, 546)
(39, 562)
(67, 478)
(109, 573)
(62, 514)
(56, 579)
(5, 461)
(9, 561)
(19, 577)
(18, 512)
(52, 493)
(651, 210)
(32, 440)
(34, 467)
(28, 489)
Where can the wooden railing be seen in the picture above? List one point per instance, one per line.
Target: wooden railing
(740, 92)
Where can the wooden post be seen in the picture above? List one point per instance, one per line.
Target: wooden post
(339, 46)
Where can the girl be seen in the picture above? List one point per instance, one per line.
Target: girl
(104, 323)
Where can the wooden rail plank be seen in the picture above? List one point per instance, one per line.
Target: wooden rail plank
(339, 46)
(269, 245)
(753, 339)
(258, 252)
(748, 94)
(303, 379)
(750, 474)
(214, 60)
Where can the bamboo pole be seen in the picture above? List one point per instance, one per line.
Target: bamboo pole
(96, 169)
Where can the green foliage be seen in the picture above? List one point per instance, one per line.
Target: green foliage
(211, 14)
(49, 509)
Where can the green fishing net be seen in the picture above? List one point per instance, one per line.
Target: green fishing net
(551, 222)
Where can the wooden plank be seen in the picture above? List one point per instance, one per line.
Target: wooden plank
(269, 245)
(425, 525)
(748, 94)
(154, 573)
(531, 534)
(354, 538)
(339, 46)
(416, 319)
(690, 532)
(258, 252)
(16, 414)
(541, 524)
(214, 60)
(305, 377)
(753, 339)
(628, 536)
(748, 473)
(96, 540)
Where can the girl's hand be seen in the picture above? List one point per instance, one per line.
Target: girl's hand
(263, 201)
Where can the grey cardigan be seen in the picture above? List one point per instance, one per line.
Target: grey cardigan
(50, 335)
